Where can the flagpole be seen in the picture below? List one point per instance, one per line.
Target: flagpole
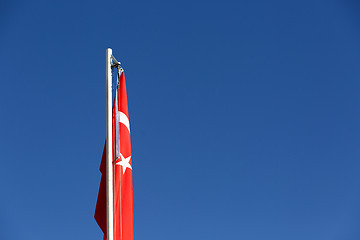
(109, 148)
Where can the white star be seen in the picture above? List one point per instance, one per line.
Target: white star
(124, 162)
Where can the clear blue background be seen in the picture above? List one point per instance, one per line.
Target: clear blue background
(244, 116)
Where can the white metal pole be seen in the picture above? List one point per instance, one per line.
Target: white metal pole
(109, 148)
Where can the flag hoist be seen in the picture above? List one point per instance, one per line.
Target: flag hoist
(114, 207)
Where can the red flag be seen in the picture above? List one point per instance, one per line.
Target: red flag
(122, 172)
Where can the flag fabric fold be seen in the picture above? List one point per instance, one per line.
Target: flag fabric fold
(122, 171)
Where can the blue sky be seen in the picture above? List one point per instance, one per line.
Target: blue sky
(244, 117)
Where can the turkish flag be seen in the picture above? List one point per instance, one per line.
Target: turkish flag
(122, 171)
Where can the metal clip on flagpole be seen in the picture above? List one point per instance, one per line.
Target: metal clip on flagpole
(114, 63)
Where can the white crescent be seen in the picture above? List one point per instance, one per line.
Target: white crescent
(125, 120)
